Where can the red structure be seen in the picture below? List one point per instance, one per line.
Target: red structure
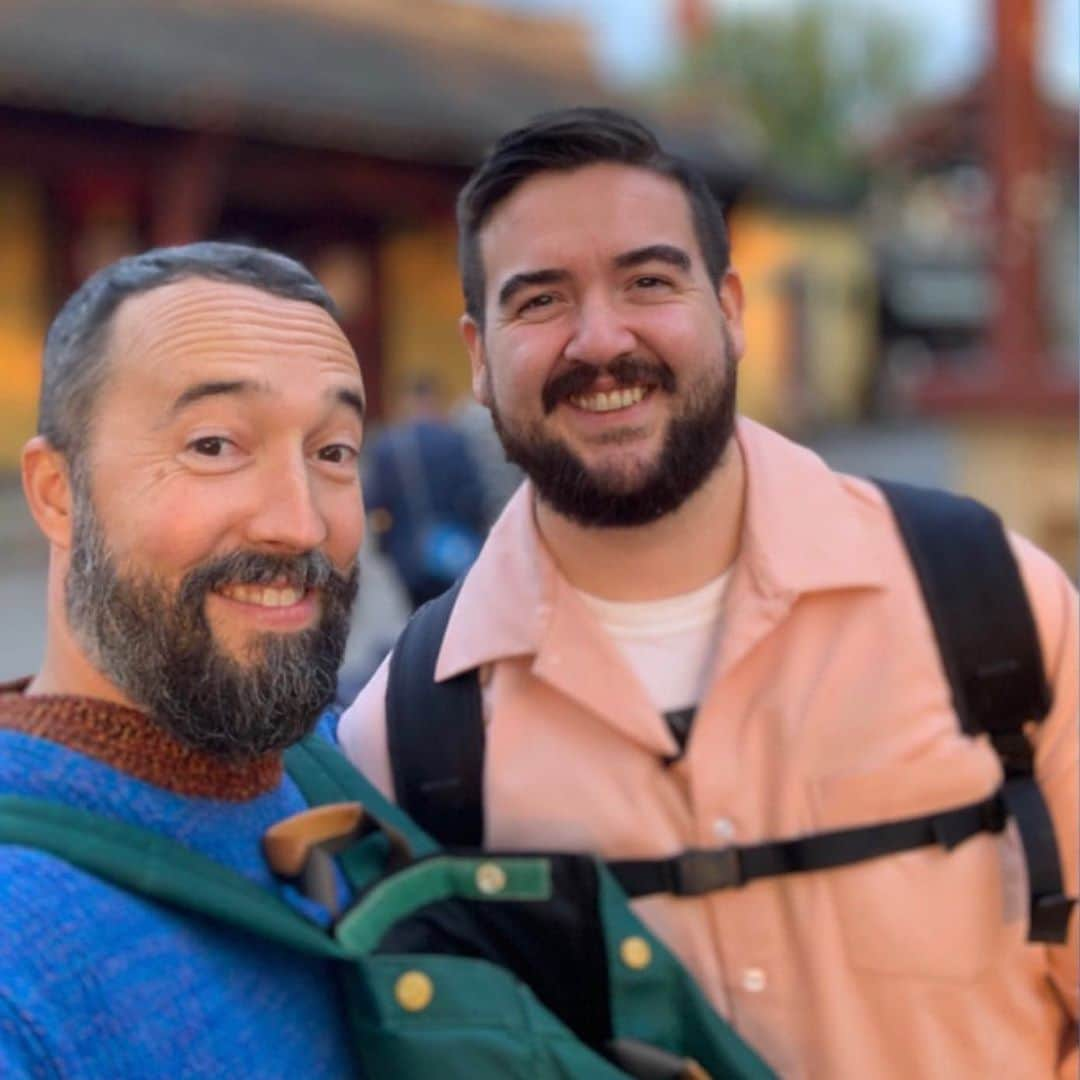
(1018, 373)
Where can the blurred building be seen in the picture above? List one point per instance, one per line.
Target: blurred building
(338, 131)
(975, 221)
(811, 311)
(932, 217)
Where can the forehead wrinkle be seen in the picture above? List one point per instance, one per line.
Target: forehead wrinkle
(224, 319)
(242, 337)
(217, 389)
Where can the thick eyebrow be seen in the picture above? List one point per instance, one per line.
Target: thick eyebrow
(203, 390)
(212, 389)
(353, 400)
(516, 282)
(665, 253)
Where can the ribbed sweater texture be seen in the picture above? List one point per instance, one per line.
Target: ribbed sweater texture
(99, 984)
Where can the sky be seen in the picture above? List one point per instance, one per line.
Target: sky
(634, 39)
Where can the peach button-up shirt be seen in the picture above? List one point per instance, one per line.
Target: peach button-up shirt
(827, 708)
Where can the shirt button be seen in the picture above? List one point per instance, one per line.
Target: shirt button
(724, 830)
(753, 980)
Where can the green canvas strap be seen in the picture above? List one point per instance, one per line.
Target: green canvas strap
(156, 866)
(323, 775)
(444, 877)
(654, 1001)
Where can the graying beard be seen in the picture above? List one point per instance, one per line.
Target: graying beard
(164, 658)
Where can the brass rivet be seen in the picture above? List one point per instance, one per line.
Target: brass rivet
(414, 991)
(490, 878)
(636, 953)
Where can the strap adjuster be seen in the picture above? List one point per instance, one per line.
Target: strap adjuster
(702, 870)
(1050, 918)
(1015, 751)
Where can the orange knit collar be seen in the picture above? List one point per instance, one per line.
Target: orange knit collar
(131, 742)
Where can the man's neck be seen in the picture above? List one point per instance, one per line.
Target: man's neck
(65, 669)
(676, 554)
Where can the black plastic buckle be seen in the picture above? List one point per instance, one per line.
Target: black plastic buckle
(704, 870)
(994, 814)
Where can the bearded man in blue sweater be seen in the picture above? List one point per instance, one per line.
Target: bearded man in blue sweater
(195, 475)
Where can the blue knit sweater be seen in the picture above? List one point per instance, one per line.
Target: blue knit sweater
(100, 984)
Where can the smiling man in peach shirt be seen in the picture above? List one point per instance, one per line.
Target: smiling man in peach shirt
(691, 633)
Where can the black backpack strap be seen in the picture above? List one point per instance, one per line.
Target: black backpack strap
(435, 732)
(697, 871)
(989, 646)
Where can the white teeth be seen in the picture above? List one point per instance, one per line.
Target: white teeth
(263, 595)
(608, 402)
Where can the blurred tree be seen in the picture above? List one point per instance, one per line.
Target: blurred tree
(803, 81)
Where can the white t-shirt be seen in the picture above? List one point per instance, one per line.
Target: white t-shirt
(669, 644)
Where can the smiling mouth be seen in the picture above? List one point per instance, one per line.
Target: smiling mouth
(610, 400)
(268, 596)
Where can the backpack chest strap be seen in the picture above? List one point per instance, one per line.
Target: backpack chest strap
(703, 870)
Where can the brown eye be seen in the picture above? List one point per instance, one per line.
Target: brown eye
(543, 300)
(338, 454)
(208, 445)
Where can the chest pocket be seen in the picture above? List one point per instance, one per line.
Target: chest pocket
(929, 912)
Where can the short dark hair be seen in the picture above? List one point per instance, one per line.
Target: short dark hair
(560, 142)
(74, 363)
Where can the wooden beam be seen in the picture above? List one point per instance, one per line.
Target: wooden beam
(187, 189)
(1017, 159)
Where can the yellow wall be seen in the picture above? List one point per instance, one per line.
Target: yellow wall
(421, 306)
(22, 313)
(1027, 471)
(422, 303)
(768, 246)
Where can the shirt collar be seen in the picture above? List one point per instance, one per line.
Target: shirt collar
(803, 529)
(802, 532)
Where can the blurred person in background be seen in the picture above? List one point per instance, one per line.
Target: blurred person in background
(195, 475)
(500, 476)
(694, 645)
(424, 495)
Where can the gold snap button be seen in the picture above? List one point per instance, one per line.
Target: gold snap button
(414, 991)
(635, 953)
(490, 878)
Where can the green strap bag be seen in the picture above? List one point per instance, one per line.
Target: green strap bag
(452, 965)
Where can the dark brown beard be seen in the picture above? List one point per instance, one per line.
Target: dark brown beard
(694, 445)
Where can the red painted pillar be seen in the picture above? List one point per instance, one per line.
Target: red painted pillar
(1016, 151)
(186, 195)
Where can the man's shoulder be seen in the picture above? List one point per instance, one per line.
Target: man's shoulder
(96, 981)
(61, 932)
(47, 903)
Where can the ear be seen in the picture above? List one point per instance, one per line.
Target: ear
(47, 486)
(730, 295)
(473, 337)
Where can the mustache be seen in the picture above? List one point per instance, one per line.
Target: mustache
(311, 570)
(626, 371)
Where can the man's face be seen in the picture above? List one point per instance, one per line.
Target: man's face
(608, 355)
(217, 526)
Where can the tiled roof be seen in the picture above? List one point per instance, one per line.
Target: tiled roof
(285, 75)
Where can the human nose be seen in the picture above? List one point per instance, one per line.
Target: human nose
(601, 333)
(287, 516)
